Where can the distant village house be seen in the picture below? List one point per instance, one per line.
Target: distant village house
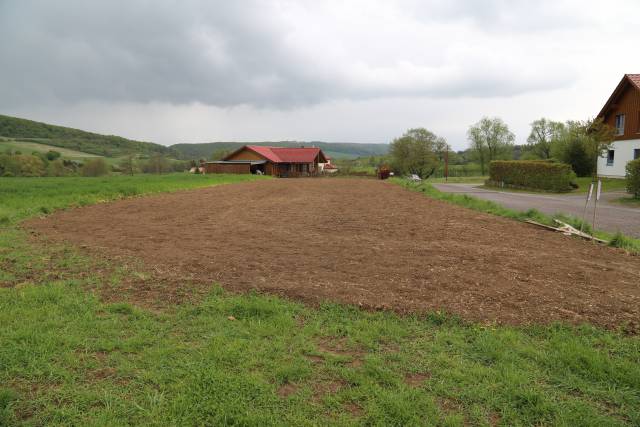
(328, 167)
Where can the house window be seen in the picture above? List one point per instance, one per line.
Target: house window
(610, 156)
(636, 153)
(619, 124)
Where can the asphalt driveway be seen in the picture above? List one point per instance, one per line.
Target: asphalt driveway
(610, 217)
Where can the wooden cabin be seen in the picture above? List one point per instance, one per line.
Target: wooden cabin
(622, 112)
(274, 161)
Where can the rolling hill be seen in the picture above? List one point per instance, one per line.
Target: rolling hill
(30, 135)
(28, 131)
(334, 149)
(26, 147)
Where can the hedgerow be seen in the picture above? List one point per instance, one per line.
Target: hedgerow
(633, 178)
(531, 174)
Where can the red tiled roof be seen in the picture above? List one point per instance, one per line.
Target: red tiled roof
(296, 155)
(265, 152)
(635, 78)
(286, 155)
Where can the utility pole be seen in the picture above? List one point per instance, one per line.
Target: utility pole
(446, 163)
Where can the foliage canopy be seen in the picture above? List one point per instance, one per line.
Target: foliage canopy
(419, 151)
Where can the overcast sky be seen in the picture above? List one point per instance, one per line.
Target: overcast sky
(358, 71)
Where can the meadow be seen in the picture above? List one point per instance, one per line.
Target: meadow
(28, 147)
(69, 357)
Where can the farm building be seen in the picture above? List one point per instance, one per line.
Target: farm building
(275, 161)
(622, 112)
(328, 167)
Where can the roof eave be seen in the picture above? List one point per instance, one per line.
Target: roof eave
(248, 147)
(616, 93)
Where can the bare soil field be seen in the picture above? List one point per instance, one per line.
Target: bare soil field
(363, 242)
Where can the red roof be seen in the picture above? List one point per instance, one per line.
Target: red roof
(265, 152)
(287, 155)
(635, 78)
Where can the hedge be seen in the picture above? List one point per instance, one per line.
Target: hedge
(633, 178)
(532, 174)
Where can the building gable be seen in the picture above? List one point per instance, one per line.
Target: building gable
(247, 153)
(625, 100)
(278, 154)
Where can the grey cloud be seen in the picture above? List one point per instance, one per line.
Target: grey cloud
(221, 53)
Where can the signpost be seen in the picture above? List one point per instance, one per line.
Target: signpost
(446, 164)
(584, 213)
(595, 207)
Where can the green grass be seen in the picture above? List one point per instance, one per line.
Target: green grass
(631, 202)
(458, 180)
(69, 358)
(608, 184)
(617, 240)
(23, 197)
(29, 147)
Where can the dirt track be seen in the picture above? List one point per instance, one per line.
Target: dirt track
(364, 242)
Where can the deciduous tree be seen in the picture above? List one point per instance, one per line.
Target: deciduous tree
(582, 143)
(128, 164)
(418, 152)
(490, 139)
(95, 167)
(543, 134)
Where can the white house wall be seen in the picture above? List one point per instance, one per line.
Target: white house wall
(623, 155)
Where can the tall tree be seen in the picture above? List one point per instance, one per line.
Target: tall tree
(582, 143)
(543, 134)
(490, 139)
(128, 164)
(418, 151)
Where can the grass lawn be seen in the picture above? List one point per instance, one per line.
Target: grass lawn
(631, 202)
(608, 184)
(69, 358)
(458, 180)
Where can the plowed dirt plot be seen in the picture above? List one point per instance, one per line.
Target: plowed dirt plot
(364, 242)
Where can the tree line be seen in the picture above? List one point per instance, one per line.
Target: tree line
(578, 143)
(51, 163)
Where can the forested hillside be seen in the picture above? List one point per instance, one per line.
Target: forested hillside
(79, 140)
(337, 149)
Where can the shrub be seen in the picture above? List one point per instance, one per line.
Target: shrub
(30, 165)
(53, 155)
(577, 156)
(95, 167)
(633, 178)
(156, 164)
(56, 168)
(531, 174)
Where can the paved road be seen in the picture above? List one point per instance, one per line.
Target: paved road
(610, 217)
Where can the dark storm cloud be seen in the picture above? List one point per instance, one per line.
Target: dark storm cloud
(227, 53)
